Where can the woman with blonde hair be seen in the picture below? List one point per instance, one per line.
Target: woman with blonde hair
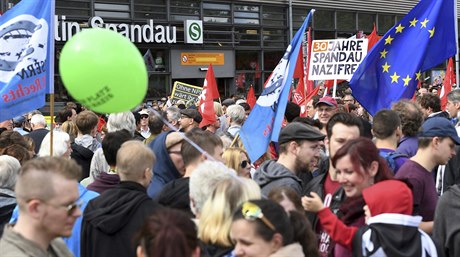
(236, 158)
(70, 128)
(216, 217)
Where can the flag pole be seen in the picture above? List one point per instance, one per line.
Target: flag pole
(52, 123)
(457, 59)
(334, 88)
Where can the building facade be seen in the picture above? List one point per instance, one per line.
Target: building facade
(243, 39)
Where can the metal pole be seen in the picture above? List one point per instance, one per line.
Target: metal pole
(290, 20)
(457, 62)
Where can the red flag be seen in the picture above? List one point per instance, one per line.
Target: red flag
(447, 84)
(251, 97)
(206, 105)
(298, 70)
(312, 94)
(299, 93)
(373, 38)
(210, 81)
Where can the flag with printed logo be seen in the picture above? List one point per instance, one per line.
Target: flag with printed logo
(26, 57)
(264, 122)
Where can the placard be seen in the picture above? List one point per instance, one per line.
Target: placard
(186, 92)
(336, 58)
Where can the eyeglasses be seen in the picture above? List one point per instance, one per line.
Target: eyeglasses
(252, 212)
(143, 116)
(71, 208)
(244, 163)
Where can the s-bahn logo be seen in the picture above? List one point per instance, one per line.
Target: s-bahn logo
(193, 31)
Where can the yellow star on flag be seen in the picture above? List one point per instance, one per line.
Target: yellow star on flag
(383, 54)
(386, 67)
(413, 22)
(394, 78)
(424, 22)
(388, 40)
(418, 74)
(406, 80)
(400, 28)
(431, 32)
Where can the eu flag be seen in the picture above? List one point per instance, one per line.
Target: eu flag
(26, 57)
(423, 39)
(264, 122)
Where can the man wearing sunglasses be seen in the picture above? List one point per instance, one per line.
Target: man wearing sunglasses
(46, 212)
(298, 145)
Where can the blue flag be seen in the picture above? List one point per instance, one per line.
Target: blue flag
(26, 57)
(264, 122)
(423, 39)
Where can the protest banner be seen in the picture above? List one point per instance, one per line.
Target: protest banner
(185, 92)
(336, 58)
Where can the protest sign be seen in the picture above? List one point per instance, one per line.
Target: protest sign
(336, 58)
(186, 92)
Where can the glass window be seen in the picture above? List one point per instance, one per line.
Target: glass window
(247, 60)
(318, 34)
(323, 19)
(150, 9)
(113, 1)
(185, 9)
(274, 16)
(385, 23)
(346, 21)
(274, 37)
(271, 59)
(121, 11)
(219, 36)
(158, 86)
(298, 17)
(217, 13)
(73, 8)
(247, 37)
(246, 14)
(366, 22)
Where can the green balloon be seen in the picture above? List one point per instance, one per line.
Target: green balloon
(104, 71)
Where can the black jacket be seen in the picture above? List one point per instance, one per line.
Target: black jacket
(83, 157)
(37, 136)
(317, 185)
(111, 220)
(175, 195)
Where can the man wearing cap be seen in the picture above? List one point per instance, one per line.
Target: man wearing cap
(189, 119)
(144, 128)
(436, 146)
(298, 145)
(18, 125)
(325, 108)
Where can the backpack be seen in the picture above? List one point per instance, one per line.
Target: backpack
(391, 159)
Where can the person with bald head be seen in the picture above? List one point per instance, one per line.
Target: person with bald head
(46, 213)
(111, 220)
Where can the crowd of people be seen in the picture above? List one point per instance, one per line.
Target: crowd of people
(156, 181)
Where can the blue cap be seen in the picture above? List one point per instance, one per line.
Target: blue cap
(439, 127)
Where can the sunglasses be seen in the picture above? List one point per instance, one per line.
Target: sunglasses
(252, 212)
(71, 208)
(144, 116)
(244, 163)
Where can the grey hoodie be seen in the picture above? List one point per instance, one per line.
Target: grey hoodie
(272, 175)
(446, 229)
